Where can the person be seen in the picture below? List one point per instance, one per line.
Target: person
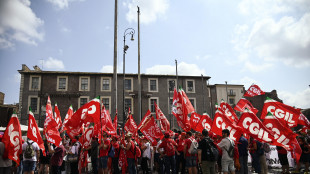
(74, 150)
(191, 159)
(146, 155)
(30, 163)
(282, 154)
(305, 155)
(159, 162)
(254, 154)
(57, 157)
(169, 147)
(243, 154)
(5, 164)
(130, 149)
(262, 159)
(180, 160)
(103, 154)
(115, 158)
(207, 165)
(45, 160)
(93, 153)
(225, 145)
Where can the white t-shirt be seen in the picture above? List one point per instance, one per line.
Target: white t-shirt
(161, 149)
(75, 148)
(147, 151)
(35, 147)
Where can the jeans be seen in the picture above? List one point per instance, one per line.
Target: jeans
(256, 162)
(115, 165)
(131, 166)
(56, 170)
(208, 167)
(243, 164)
(144, 166)
(169, 164)
(94, 165)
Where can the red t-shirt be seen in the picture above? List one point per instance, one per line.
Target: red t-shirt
(188, 143)
(105, 152)
(168, 146)
(130, 152)
(116, 149)
(181, 143)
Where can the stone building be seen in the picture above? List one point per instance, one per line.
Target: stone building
(77, 88)
(6, 111)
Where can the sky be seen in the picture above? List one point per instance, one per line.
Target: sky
(266, 42)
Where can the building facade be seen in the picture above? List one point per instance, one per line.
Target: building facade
(77, 88)
(228, 92)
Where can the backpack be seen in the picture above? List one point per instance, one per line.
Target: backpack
(212, 153)
(231, 150)
(260, 149)
(193, 149)
(29, 152)
(266, 147)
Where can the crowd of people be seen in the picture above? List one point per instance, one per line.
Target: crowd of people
(180, 152)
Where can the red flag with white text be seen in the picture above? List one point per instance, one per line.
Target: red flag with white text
(252, 125)
(303, 120)
(151, 130)
(164, 123)
(86, 138)
(244, 103)
(180, 112)
(33, 132)
(12, 140)
(253, 90)
(229, 112)
(68, 117)
(106, 121)
(130, 125)
(57, 116)
(146, 117)
(286, 114)
(115, 122)
(221, 122)
(200, 122)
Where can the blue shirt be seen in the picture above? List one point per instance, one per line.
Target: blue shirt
(243, 146)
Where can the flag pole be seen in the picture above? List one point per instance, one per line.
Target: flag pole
(176, 85)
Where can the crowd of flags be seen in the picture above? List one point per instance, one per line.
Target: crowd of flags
(273, 126)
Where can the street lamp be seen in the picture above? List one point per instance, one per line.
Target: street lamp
(128, 31)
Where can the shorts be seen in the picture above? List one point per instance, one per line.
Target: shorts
(191, 161)
(103, 162)
(283, 159)
(29, 166)
(228, 166)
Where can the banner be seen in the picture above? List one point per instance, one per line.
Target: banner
(244, 103)
(253, 90)
(33, 132)
(130, 125)
(151, 131)
(180, 112)
(164, 123)
(229, 112)
(200, 122)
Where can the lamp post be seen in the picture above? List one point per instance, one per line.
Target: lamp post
(128, 31)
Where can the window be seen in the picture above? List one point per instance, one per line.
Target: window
(128, 84)
(190, 86)
(170, 100)
(84, 83)
(171, 85)
(231, 101)
(83, 100)
(153, 83)
(35, 82)
(62, 83)
(128, 104)
(106, 102)
(105, 84)
(231, 92)
(33, 102)
(193, 102)
(152, 102)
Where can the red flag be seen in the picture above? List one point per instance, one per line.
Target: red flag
(180, 112)
(221, 122)
(123, 160)
(68, 117)
(90, 112)
(151, 130)
(130, 125)
(229, 112)
(49, 111)
(283, 136)
(200, 122)
(115, 121)
(303, 120)
(286, 114)
(12, 139)
(146, 117)
(253, 90)
(296, 152)
(33, 132)
(106, 121)
(254, 127)
(188, 105)
(85, 139)
(164, 123)
(244, 103)
(57, 116)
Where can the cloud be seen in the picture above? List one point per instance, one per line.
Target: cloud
(65, 30)
(151, 10)
(18, 23)
(107, 69)
(246, 81)
(62, 4)
(255, 67)
(54, 64)
(17, 78)
(183, 69)
(300, 99)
